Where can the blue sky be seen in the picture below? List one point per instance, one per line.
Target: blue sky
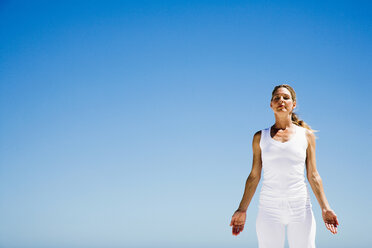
(130, 123)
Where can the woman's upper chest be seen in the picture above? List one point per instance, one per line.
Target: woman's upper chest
(281, 135)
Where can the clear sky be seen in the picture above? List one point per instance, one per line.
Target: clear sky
(130, 123)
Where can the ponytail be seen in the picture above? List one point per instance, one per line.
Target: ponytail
(296, 120)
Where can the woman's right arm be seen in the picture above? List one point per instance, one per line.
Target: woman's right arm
(238, 219)
(255, 175)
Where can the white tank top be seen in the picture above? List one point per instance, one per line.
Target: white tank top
(283, 166)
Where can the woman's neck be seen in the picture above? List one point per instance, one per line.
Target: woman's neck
(283, 122)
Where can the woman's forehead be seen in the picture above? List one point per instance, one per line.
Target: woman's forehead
(282, 91)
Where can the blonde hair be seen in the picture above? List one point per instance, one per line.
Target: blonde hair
(295, 118)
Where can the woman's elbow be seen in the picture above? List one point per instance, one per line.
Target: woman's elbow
(314, 177)
(254, 177)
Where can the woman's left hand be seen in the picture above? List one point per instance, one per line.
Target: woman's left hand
(330, 220)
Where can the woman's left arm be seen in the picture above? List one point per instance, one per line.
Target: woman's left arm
(329, 216)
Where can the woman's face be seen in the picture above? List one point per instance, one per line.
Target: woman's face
(282, 101)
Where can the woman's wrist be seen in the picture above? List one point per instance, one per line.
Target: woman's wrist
(325, 209)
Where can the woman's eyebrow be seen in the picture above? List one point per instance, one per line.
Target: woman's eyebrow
(284, 94)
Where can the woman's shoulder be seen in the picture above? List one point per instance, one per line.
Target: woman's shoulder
(304, 129)
(310, 136)
(260, 132)
(256, 141)
(257, 136)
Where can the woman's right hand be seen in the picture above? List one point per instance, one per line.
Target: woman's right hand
(238, 221)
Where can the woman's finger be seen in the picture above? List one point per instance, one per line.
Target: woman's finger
(328, 227)
(332, 228)
(236, 230)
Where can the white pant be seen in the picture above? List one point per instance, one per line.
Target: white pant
(274, 216)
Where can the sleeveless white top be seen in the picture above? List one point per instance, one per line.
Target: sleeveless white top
(283, 166)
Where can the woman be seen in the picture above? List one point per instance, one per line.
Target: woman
(282, 152)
